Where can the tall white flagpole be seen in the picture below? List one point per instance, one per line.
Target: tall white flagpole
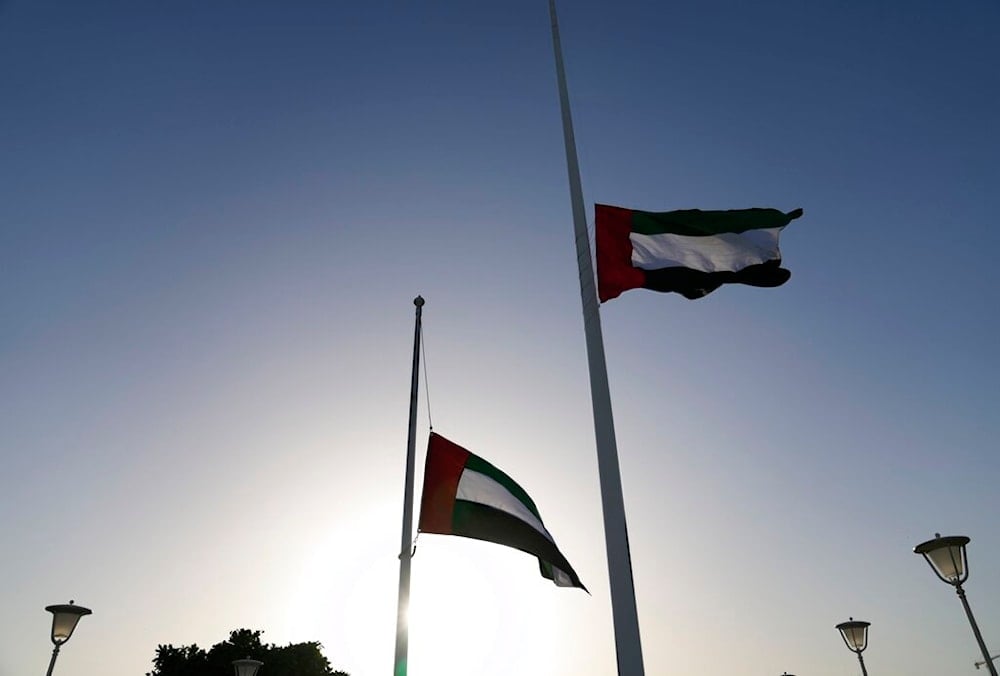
(406, 542)
(626, 620)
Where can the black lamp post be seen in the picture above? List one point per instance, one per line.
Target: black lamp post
(946, 556)
(246, 667)
(64, 619)
(855, 635)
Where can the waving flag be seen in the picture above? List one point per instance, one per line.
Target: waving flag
(465, 495)
(690, 252)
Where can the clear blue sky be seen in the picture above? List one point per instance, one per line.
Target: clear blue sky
(214, 218)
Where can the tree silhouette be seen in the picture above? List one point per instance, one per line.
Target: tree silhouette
(294, 659)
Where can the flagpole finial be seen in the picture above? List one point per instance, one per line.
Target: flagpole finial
(419, 301)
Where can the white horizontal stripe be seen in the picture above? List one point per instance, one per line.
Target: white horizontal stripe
(728, 252)
(476, 487)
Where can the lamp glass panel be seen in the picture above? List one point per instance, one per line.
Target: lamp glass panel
(948, 563)
(63, 625)
(855, 637)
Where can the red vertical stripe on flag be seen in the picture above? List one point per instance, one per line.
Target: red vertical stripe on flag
(442, 470)
(615, 273)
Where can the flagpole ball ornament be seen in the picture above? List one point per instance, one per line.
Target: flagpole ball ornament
(246, 667)
(419, 301)
(946, 556)
(64, 619)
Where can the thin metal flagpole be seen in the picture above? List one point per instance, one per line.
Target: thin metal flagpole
(406, 541)
(623, 608)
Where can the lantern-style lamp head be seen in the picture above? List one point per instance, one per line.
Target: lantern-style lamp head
(946, 555)
(64, 619)
(246, 667)
(855, 634)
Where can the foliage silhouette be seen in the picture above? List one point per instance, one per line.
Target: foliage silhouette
(294, 659)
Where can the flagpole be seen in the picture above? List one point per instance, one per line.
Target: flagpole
(623, 607)
(406, 541)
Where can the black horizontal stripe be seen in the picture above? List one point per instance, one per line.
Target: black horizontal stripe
(694, 284)
(481, 522)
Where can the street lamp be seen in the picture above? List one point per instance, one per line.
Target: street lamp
(855, 635)
(246, 667)
(64, 619)
(946, 556)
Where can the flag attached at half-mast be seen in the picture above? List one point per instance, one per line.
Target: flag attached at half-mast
(690, 252)
(465, 495)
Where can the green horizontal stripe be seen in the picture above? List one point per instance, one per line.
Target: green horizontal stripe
(695, 222)
(477, 464)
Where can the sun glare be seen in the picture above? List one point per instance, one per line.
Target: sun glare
(453, 616)
(345, 593)
(475, 608)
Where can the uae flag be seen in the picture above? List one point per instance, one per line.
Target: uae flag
(690, 252)
(465, 495)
